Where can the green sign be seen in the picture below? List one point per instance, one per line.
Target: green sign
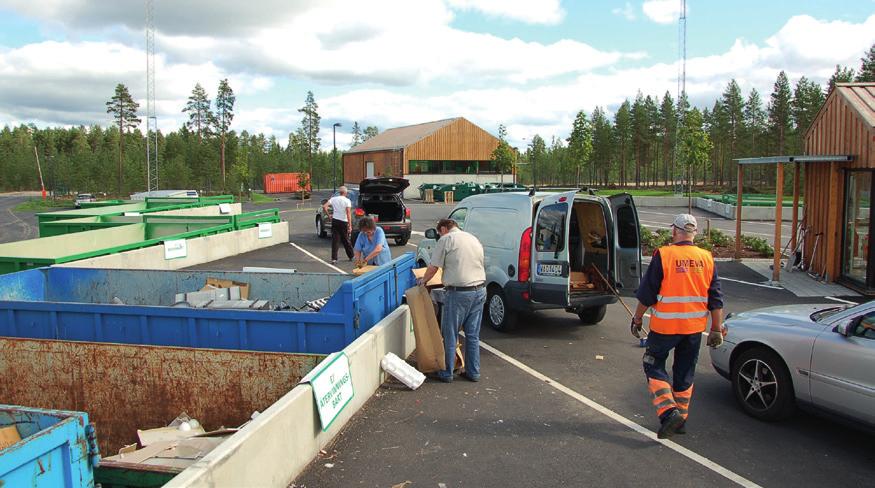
(332, 387)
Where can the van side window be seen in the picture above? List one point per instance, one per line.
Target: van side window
(550, 230)
(626, 231)
(459, 216)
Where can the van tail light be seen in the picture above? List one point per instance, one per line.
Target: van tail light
(525, 259)
(407, 212)
(359, 212)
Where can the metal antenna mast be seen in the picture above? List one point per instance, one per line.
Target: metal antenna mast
(151, 119)
(682, 90)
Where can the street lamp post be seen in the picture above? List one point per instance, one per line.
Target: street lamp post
(334, 160)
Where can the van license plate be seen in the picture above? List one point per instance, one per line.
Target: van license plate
(550, 269)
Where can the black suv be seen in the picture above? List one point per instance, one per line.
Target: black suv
(379, 198)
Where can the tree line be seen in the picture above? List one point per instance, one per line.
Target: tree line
(649, 141)
(652, 141)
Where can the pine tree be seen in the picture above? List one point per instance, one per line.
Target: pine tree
(503, 155)
(733, 102)
(668, 128)
(537, 151)
(602, 146)
(200, 116)
(754, 123)
(356, 135)
(580, 144)
(807, 100)
(842, 74)
(309, 130)
(370, 132)
(623, 135)
(639, 134)
(224, 115)
(780, 127)
(123, 109)
(867, 66)
(695, 145)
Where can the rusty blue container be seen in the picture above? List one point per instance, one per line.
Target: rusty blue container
(57, 449)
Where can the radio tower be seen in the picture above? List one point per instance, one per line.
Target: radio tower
(151, 119)
(682, 90)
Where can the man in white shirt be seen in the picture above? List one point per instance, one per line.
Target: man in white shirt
(341, 216)
(460, 255)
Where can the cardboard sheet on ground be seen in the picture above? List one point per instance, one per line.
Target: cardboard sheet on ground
(436, 280)
(429, 344)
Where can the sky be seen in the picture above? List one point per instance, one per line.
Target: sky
(530, 65)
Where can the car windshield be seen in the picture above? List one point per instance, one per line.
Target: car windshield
(825, 314)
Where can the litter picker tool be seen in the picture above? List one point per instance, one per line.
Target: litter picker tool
(642, 340)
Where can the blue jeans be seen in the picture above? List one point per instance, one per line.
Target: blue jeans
(462, 310)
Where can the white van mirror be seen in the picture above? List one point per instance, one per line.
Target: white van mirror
(432, 234)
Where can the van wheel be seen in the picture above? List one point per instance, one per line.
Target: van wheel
(496, 312)
(592, 315)
(401, 241)
(320, 229)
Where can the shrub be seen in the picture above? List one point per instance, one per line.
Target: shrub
(758, 244)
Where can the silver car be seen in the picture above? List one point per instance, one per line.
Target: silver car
(818, 356)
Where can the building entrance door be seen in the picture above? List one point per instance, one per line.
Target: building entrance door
(856, 253)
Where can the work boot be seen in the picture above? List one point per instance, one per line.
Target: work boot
(670, 425)
(682, 429)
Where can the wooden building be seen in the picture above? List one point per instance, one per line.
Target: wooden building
(838, 193)
(443, 151)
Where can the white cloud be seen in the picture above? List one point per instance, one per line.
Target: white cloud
(541, 12)
(627, 12)
(662, 11)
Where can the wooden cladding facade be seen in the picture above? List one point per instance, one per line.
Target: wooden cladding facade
(386, 163)
(459, 140)
(840, 128)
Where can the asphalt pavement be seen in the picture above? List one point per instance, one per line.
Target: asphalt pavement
(16, 226)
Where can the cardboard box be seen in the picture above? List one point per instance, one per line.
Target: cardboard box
(581, 281)
(429, 343)
(363, 270)
(8, 436)
(220, 283)
(435, 280)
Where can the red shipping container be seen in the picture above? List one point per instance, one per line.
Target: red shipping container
(283, 182)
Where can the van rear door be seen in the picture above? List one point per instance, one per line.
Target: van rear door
(550, 263)
(626, 247)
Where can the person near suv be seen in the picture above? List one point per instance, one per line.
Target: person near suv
(341, 216)
(461, 257)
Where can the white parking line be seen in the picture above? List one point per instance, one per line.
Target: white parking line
(317, 258)
(840, 300)
(413, 245)
(698, 458)
(751, 284)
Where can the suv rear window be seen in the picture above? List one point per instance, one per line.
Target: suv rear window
(550, 230)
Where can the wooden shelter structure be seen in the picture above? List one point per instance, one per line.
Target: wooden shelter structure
(838, 163)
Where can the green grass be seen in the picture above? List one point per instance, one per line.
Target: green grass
(260, 199)
(38, 205)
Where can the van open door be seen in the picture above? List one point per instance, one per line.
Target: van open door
(627, 242)
(551, 269)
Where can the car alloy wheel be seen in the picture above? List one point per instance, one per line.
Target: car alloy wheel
(496, 309)
(758, 385)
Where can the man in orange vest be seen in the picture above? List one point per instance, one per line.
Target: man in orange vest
(682, 287)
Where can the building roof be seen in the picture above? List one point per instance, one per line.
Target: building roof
(401, 137)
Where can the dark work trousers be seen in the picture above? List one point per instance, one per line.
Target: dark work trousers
(340, 234)
(675, 391)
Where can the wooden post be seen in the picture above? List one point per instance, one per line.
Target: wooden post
(779, 206)
(793, 235)
(831, 238)
(739, 183)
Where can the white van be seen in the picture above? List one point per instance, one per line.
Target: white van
(550, 250)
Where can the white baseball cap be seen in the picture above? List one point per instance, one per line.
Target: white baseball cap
(686, 223)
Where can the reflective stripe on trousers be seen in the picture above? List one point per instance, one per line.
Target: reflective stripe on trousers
(663, 399)
(682, 399)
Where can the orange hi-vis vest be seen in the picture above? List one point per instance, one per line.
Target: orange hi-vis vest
(682, 303)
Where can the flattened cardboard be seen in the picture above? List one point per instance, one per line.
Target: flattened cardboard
(8, 436)
(363, 270)
(429, 343)
(220, 283)
(436, 280)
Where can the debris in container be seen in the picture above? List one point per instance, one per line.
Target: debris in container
(404, 372)
(183, 430)
(128, 448)
(117, 301)
(316, 305)
(8, 435)
(218, 283)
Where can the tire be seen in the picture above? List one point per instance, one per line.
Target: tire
(496, 312)
(320, 228)
(401, 241)
(592, 315)
(772, 397)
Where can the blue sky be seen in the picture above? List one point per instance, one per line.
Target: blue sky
(528, 65)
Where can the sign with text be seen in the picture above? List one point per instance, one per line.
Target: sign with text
(265, 230)
(224, 208)
(175, 249)
(332, 387)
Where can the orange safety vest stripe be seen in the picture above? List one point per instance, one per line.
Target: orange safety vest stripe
(682, 303)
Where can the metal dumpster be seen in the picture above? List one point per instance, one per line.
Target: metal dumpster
(139, 365)
(33, 253)
(56, 449)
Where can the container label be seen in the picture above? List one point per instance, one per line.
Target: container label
(332, 387)
(175, 249)
(132, 214)
(265, 230)
(224, 208)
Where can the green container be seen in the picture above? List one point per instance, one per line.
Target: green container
(103, 203)
(45, 251)
(427, 186)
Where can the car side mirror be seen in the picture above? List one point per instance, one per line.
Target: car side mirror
(432, 234)
(847, 327)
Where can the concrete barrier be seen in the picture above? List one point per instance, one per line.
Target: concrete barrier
(273, 449)
(199, 250)
(722, 209)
